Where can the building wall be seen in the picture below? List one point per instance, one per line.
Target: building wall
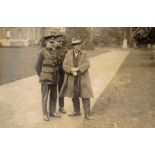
(25, 36)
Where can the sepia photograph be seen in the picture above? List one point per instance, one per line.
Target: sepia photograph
(77, 77)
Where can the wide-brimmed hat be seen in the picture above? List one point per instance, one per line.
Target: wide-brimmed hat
(59, 37)
(50, 37)
(51, 41)
(76, 40)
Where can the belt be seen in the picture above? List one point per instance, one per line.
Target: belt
(50, 65)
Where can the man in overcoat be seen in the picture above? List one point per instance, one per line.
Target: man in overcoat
(47, 70)
(77, 81)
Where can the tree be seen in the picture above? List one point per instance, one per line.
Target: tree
(82, 32)
(108, 36)
(143, 35)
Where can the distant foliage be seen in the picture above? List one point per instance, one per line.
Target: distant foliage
(143, 35)
(108, 36)
(87, 45)
(83, 33)
(99, 36)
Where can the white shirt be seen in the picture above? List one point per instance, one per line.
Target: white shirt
(76, 53)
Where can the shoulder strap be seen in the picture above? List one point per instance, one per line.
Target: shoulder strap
(47, 53)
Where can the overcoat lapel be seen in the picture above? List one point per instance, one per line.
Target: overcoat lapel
(80, 56)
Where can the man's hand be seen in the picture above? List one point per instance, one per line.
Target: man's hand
(74, 70)
(75, 73)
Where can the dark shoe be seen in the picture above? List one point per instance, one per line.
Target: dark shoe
(62, 110)
(74, 114)
(46, 118)
(88, 117)
(54, 115)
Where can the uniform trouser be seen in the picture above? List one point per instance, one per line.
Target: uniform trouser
(51, 91)
(61, 80)
(86, 105)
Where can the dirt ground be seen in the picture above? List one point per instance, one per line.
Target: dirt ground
(129, 100)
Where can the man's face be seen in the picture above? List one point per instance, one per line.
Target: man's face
(49, 45)
(59, 39)
(77, 47)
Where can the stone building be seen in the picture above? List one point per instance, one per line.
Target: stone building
(25, 36)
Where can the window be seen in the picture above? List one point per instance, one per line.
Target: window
(8, 34)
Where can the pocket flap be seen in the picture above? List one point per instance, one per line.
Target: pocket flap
(47, 69)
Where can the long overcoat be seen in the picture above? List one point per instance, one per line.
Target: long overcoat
(68, 84)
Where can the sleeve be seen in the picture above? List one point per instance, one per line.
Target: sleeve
(66, 66)
(85, 64)
(39, 63)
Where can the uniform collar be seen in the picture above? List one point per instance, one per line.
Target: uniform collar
(50, 49)
(77, 52)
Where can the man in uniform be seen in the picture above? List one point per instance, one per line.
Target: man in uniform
(47, 70)
(61, 55)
